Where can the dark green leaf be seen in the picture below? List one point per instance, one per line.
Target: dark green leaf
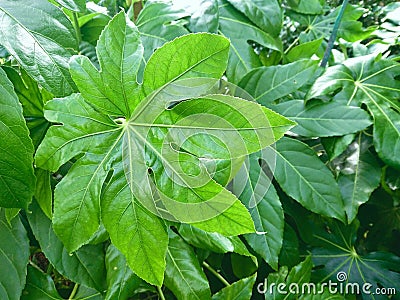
(39, 286)
(261, 200)
(85, 266)
(305, 50)
(267, 84)
(14, 256)
(184, 276)
(265, 14)
(121, 281)
(239, 290)
(43, 53)
(304, 177)
(323, 119)
(242, 57)
(17, 181)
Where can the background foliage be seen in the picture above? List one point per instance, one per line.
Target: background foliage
(70, 227)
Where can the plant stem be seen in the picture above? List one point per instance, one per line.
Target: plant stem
(160, 292)
(73, 293)
(332, 38)
(216, 274)
(77, 28)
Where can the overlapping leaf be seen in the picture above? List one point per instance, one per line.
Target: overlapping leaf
(17, 181)
(42, 45)
(98, 128)
(372, 81)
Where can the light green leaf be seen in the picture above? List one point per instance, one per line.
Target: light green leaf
(14, 256)
(74, 5)
(85, 266)
(119, 51)
(242, 57)
(262, 201)
(184, 276)
(312, 7)
(121, 281)
(360, 176)
(374, 82)
(304, 177)
(197, 55)
(265, 14)
(239, 290)
(43, 192)
(17, 181)
(304, 50)
(158, 24)
(39, 286)
(212, 241)
(43, 53)
(139, 234)
(323, 119)
(267, 84)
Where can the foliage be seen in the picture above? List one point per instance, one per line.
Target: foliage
(196, 150)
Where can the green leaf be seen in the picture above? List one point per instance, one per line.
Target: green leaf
(119, 51)
(17, 181)
(242, 57)
(304, 50)
(265, 14)
(334, 146)
(298, 275)
(212, 241)
(289, 255)
(359, 177)
(32, 98)
(267, 84)
(39, 286)
(157, 24)
(43, 53)
(184, 275)
(74, 5)
(14, 256)
(85, 266)
(336, 253)
(374, 82)
(262, 201)
(43, 192)
(197, 55)
(139, 234)
(303, 176)
(312, 7)
(121, 281)
(203, 14)
(239, 290)
(323, 119)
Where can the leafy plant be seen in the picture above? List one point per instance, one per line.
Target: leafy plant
(133, 167)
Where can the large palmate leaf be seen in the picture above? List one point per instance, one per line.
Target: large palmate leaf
(374, 82)
(14, 256)
(148, 144)
(267, 84)
(304, 177)
(43, 53)
(336, 253)
(184, 276)
(17, 181)
(265, 14)
(323, 119)
(242, 32)
(261, 200)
